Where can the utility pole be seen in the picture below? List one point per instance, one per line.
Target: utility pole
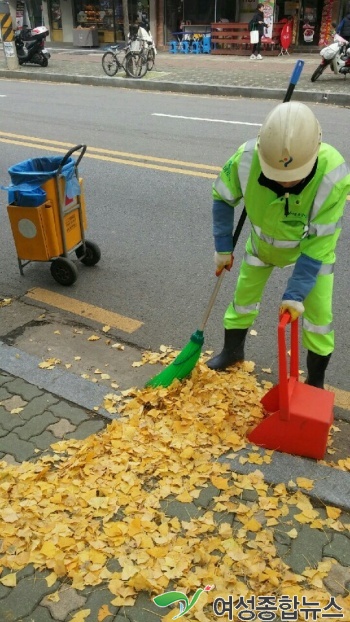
(126, 19)
(8, 36)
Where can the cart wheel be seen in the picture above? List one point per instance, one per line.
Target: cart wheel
(92, 253)
(64, 271)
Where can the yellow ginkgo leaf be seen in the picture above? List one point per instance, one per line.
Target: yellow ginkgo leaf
(333, 512)
(304, 482)
(51, 579)
(81, 615)
(10, 580)
(103, 613)
(253, 525)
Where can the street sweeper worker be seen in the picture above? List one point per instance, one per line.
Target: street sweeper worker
(294, 188)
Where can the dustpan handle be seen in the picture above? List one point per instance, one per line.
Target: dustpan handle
(284, 385)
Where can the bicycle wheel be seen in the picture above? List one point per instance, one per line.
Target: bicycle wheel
(110, 63)
(151, 57)
(135, 64)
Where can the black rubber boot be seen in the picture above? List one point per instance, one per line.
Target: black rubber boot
(316, 367)
(233, 350)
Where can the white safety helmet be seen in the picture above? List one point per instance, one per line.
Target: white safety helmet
(288, 142)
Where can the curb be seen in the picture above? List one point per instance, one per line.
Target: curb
(64, 385)
(338, 99)
(331, 485)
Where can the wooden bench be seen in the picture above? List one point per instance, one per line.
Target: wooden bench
(234, 38)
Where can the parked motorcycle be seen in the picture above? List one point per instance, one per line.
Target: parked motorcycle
(33, 51)
(336, 56)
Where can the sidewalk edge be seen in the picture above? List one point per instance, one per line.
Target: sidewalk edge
(339, 99)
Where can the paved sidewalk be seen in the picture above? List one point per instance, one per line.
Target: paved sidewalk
(201, 73)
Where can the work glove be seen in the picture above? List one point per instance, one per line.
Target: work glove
(223, 260)
(293, 307)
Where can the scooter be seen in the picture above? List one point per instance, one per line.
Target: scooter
(336, 56)
(34, 51)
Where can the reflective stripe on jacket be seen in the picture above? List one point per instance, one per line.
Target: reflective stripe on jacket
(313, 224)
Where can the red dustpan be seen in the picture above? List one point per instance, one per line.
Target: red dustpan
(299, 415)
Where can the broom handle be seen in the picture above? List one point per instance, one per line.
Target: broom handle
(285, 319)
(221, 276)
(293, 80)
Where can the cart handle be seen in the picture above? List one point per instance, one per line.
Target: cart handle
(69, 153)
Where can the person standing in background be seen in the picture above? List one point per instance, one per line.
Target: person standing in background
(344, 27)
(257, 23)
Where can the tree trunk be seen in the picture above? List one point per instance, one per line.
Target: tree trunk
(126, 19)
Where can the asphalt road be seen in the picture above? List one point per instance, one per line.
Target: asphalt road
(149, 212)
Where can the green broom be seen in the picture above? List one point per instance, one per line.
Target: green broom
(188, 358)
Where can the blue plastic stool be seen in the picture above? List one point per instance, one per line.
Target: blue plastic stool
(173, 47)
(185, 47)
(196, 47)
(206, 45)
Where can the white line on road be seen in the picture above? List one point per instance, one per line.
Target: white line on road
(175, 116)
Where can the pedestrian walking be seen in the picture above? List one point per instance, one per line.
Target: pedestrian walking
(294, 188)
(344, 27)
(257, 23)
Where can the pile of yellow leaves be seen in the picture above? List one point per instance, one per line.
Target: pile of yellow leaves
(104, 497)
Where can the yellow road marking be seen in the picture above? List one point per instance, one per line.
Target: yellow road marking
(84, 309)
(153, 167)
(9, 138)
(110, 152)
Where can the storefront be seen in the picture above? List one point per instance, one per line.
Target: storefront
(93, 22)
(199, 13)
(311, 19)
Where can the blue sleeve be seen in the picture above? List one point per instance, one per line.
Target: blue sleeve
(340, 27)
(223, 217)
(303, 278)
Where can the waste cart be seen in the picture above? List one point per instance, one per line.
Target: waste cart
(48, 215)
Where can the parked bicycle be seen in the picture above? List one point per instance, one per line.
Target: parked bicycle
(134, 60)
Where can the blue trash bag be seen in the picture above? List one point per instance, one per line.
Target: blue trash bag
(29, 175)
(26, 198)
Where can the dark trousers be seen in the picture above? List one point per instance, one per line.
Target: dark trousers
(257, 47)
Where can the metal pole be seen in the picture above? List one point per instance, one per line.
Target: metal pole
(8, 35)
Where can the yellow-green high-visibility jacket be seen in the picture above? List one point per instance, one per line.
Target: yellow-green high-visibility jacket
(313, 223)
